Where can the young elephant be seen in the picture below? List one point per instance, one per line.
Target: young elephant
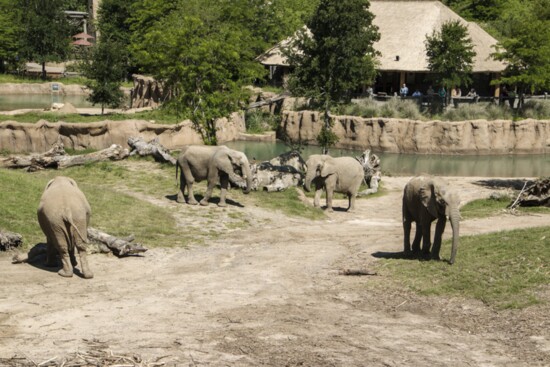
(64, 215)
(216, 164)
(426, 199)
(343, 174)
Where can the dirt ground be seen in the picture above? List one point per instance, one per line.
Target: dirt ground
(270, 295)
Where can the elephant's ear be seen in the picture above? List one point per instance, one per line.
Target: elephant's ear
(49, 183)
(428, 197)
(327, 169)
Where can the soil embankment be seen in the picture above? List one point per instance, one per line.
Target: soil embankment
(425, 137)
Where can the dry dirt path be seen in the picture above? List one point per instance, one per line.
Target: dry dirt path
(270, 295)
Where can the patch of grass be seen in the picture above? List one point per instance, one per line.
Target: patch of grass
(503, 269)
(258, 122)
(159, 116)
(288, 202)
(482, 208)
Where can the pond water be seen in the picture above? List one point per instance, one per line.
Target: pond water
(413, 164)
(10, 102)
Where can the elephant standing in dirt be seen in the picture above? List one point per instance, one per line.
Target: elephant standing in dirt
(343, 174)
(426, 199)
(216, 164)
(64, 215)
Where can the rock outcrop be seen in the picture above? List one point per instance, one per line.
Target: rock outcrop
(147, 92)
(425, 137)
(18, 137)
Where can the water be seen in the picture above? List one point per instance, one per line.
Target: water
(9, 102)
(413, 164)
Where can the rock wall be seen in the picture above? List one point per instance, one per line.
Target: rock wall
(425, 137)
(18, 137)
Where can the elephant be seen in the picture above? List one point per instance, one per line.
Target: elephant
(342, 174)
(64, 216)
(216, 164)
(426, 199)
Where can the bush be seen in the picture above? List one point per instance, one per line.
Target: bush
(258, 122)
(536, 109)
(477, 111)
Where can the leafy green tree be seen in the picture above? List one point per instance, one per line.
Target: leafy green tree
(45, 35)
(104, 67)
(526, 46)
(203, 62)
(450, 54)
(333, 56)
(9, 33)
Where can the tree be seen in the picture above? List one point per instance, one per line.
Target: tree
(202, 60)
(450, 54)
(45, 33)
(333, 56)
(9, 33)
(105, 69)
(526, 47)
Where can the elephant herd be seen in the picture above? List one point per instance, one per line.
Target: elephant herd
(64, 213)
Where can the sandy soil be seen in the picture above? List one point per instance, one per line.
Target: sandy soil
(270, 295)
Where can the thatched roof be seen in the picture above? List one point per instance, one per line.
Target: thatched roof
(403, 27)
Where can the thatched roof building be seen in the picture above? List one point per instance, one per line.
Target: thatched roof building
(403, 27)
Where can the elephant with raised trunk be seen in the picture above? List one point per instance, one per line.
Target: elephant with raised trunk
(64, 215)
(217, 165)
(342, 174)
(426, 199)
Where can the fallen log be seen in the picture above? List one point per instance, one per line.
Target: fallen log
(536, 194)
(119, 246)
(357, 272)
(153, 147)
(107, 243)
(9, 240)
(57, 158)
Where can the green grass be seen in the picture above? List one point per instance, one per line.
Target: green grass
(503, 269)
(158, 116)
(288, 202)
(482, 208)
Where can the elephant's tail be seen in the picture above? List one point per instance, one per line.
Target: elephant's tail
(69, 220)
(177, 167)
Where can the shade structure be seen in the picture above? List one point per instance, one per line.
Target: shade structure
(84, 36)
(81, 42)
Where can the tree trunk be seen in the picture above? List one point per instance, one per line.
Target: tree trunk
(58, 158)
(44, 71)
(153, 147)
(119, 246)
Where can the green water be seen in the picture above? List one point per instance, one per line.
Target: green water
(9, 102)
(412, 164)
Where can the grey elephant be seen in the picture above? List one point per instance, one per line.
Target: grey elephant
(64, 215)
(217, 165)
(342, 174)
(426, 199)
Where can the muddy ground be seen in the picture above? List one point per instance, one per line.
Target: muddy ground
(269, 295)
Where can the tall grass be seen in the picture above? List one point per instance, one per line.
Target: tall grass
(536, 109)
(258, 121)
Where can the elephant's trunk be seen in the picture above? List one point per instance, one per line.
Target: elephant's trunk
(248, 175)
(310, 175)
(454, 218)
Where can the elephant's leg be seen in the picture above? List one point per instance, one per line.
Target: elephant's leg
(407, 236)
(351, 202)
(329, 199)
(417, 239)
(187, 179)
(86, 272)
(439, 229)
(181, 192)
(208, 193)
(67, 269)
(224, 184)
(426, 235)
(51, 254)
(73, 258)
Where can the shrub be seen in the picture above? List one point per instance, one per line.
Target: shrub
(536, 109)
(258, 121)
